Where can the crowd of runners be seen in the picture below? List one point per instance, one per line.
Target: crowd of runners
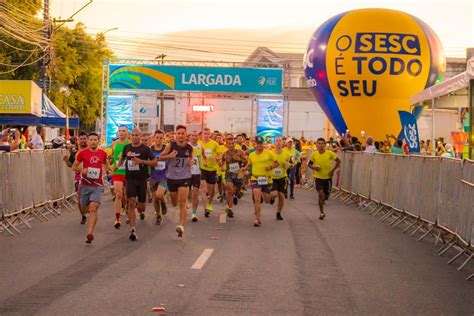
(182, 168)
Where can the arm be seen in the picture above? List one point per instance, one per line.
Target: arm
(77, 167)
(167, 154)
(338, 163)
(150, 160)
(273, 166)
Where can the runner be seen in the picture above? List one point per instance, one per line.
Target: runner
(81, 144)
(295, 157)
(220, 172)
(137, 158)
(198, 154)
(92, 159)
(321, 162)
(208, 170)
(180, 156)
(261, 162)
(280, 176)
(232, 160)
(158, 184)
(118, 175)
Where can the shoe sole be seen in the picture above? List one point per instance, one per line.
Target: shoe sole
(206, 214)
(179, 231)
(194, 219)
(90, 238)
(132, 237)
(159, 221)
(117, 226)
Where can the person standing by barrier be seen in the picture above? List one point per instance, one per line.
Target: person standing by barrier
(80, 145)
(89, 163)
(261, 162)
(10, 140)
(137, 158)
(322, 163)
(280, 176)
(37, 142)
(158, 184)
(118, 174)
(180, 156)
(208, 170)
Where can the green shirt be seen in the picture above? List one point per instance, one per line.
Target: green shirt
(118, 149)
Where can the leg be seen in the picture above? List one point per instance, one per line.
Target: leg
(174, 198)
(292, 181)
(195, 197)
(132, 202)
(281, 202)
(93, 207)
(204, 198)
(257, 194)
(229, 187)
(182, 196)
(118, 186)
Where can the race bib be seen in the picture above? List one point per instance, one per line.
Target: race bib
(208, 153)
(234, 167)
(122, 167)
(278, 172)
(93, 173)
(161, 165)
(132, 166)
(262, 180)
(195, 168)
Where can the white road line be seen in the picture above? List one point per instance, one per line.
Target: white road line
(223, 218)
(201, 261)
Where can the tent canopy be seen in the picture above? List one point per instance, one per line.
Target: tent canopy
(449, 94)
(51, 116)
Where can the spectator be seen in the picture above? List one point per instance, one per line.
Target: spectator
(9, 140)
(370, 148)
(449, 151)
(422, 147)
(37, 142)
(428, 147)
(377, 146)
(58, 142)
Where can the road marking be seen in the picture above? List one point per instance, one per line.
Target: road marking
(201, 261)
(223, 218)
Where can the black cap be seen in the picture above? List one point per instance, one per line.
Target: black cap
(259, 139)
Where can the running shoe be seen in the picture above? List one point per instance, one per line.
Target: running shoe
(279, 217)
(127, 221)
(257, 223)
(235, 200)
(133, 235)
(207, 213)
(159, 220)
(194, 218)
(220, 198)
(164, 207)
(83, 220)
(142, 216)
(180, 230)
(322, 216)
(90, 238)
(210, 207)
(229, 212)
(292, 197)
(117, 224)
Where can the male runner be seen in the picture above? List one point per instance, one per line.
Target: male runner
(158, 184)
(295, 157)
(261, 162)
(233, 160)
(198, 154)
(81, 144)
(180, 156)
(91, 189)
(220, 172)
(321, 162)
(208, 170)
(137, 158)
(118, 175)
(280, 176)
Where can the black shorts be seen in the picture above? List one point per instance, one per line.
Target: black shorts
(209, 176)
(267, 188)
(233, 178)
(154, 184)
(174, 184)
(323, 185)
(137, 188)
(280, 185)
(195, 181)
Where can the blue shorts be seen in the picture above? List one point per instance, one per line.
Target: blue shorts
(90, 193)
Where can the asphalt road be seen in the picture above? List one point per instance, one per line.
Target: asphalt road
(350, 263)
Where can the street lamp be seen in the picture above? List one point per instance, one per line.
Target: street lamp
(112, 29)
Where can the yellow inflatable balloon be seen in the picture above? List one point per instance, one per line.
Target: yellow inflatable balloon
(363, 65)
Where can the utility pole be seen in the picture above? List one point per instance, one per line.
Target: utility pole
(162, 95)
(43, 64)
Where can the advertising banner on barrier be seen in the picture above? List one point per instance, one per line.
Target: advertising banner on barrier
(119, 111)
(410, 131)
(270, 118)
(186, 78)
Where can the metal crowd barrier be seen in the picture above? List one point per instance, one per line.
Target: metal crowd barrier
(33, 184)
(431, 195)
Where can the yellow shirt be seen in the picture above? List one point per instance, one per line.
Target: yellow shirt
(324, 161)
(211, 149)
(283, 158)
(238, 147)
(260, 163)
(304, 151)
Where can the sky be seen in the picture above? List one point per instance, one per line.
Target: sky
(231, 30)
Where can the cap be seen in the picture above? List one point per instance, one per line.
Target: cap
(449, 147)
(259, 139)
(58, 141)
(289, 140)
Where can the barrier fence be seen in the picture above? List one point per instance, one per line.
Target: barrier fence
(33, 184)
(433, 195)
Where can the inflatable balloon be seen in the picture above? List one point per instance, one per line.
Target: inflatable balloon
(362, 66)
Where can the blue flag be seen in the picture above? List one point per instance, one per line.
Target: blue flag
(410, 131)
